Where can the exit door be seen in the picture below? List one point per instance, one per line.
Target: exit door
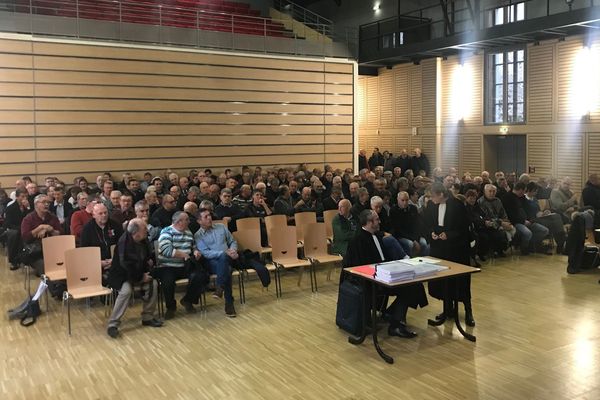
(507, 153)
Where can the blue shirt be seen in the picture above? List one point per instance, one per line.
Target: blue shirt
(213, 242)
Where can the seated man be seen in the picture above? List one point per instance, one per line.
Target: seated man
(546, 218)
(142, 211)
(176, 248)
(244, 198)
(218, 249)
(530, 233)
(563, 201)
(590, 197)
(362, 202)
(259, 208)
(192, 195)
(82, 216)
(131, 266)
(101, 232)
(367, 248)
(283, 203)
(125, 210)
(163, 216)
(12, 223)
(332, 201)
(37, 225)
(406, 227)
(227, 211)
(61, 208)
(498, 230)
(344, 227)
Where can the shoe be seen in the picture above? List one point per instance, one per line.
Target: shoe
(189, 307)
(440, 317)
(401, 331)
(113, 331)
(170, 314)
(218, 293)
(14, 267)
(483, 258)
(475, 262)
(230, 310)
(155, 323)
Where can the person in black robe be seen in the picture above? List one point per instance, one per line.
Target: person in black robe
(363, 250)
(449, 238)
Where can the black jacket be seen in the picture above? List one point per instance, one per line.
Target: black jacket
(14, 215)
(406, 222)
(514, 208)
(590, 196)
(161, 217)
(93, 236)
(130, 262)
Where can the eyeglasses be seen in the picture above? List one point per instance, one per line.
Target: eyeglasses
(144, 210)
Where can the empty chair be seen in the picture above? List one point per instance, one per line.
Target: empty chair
(315, 247)
(273, 221)
(54, 248)
(309, 217)
(248, 223)
(84, 276)
(328, 216)
(285, 254)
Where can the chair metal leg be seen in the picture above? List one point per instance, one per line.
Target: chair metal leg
(69, 314)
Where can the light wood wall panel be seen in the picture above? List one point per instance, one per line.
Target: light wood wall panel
(540, 154)
(450, 150)
(540, 78)
(79, 109)
(569, 157)
(566, 56)
(428, 89)
(401, 96)
(386, 103)
(593, 149)
(416, 95)
(372, 102)
(470, 154)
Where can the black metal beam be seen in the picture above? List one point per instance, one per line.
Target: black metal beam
(573, 22)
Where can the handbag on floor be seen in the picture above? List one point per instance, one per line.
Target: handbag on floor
(351, 309)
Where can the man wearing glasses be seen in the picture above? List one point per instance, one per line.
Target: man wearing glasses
(163, 215)
(142, 211)
(39, 224)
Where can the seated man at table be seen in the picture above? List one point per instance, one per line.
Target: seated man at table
(367, 248)
(176, 248)
(218, 249)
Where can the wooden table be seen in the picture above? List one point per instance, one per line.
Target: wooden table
(454, 270)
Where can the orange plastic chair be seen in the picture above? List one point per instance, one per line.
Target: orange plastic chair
(285, 254)
(303, 218)
(249, 239)
(248, 223)
(274, 221)
(54, 248)
(328, 216)
(84, 277)
(315, 247)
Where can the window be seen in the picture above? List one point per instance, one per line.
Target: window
(507, 14)
(392, 40)
(505, 87)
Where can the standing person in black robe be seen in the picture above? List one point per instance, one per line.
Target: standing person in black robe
(367, 247)
(447, 225)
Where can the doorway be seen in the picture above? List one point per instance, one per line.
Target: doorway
(507, 153)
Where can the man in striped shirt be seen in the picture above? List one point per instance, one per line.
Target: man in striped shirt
(177, 252)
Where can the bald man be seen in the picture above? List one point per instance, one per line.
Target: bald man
(101, 232)
(344, 227)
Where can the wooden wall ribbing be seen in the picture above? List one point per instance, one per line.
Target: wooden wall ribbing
(80, 109)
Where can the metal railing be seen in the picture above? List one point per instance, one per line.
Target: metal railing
(131, 21)
(305, 16)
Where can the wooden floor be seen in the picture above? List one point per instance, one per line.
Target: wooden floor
(538, 337)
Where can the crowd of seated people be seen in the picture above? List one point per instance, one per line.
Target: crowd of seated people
(501, 210)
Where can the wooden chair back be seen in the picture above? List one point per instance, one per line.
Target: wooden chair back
(83, 268)
(284, 245)
(248, 239)
(328, 219)
(54, 248)
(304, 218)
(274, 221)
(248, 223)
(315, 240)
(544, 205)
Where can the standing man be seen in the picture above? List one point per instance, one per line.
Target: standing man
(12, 223)
(131, 266)
(219, 250)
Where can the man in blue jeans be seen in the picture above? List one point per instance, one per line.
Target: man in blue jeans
(218, 249)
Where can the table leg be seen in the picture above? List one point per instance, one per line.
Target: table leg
(455, 304)
(385, 357)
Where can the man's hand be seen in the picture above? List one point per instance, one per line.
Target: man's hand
(226, 220)
(489, 224)
(434, 236)
(416, 247)
(507, 226)
(233, 254)
(443, 236)
(197, 254)
(106, 263)
(147, 278)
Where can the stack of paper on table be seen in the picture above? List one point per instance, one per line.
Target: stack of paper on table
(401, 270)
